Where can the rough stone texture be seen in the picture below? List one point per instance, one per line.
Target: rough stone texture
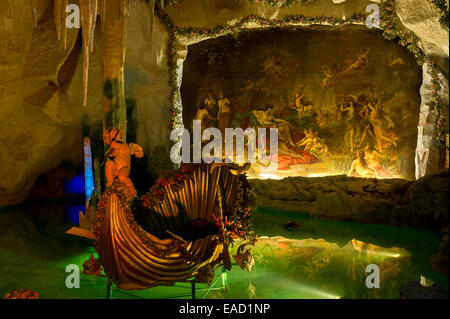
(40, 82)
(427, 153)
(40, 94)
(422, 18)
(414, 290)
(146, 83)
(440, 259)
(423, 203)
(210, 13)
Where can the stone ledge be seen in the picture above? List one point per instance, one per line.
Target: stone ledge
(396, 202)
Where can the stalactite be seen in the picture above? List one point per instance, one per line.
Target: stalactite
(101, 11)
(57, 6)
(151, 4)
(113, 55)
(34, 5)
(89, 12)
(114, 45)
(85, 8)
(93, 17)
(125, 7)
(65, 3)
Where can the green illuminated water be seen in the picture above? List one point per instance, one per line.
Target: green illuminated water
(317, 260)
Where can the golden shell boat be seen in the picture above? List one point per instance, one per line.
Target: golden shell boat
(140, 255)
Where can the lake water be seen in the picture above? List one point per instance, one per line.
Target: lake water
(320, 259)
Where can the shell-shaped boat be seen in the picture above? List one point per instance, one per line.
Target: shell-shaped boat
(140, 255)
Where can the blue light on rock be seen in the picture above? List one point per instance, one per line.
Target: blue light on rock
(75, 186)
(88, 171)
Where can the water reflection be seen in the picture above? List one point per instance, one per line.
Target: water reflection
(35, 250)
(308, 268)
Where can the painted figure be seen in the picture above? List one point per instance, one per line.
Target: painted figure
(383, 133)
(210, 105)
(312, 143)
(119, 155)
(301, 105)
(307, 140)
(396, 60)
(224, 115)
(204, 116)
(267, 119)
(361, 168)
(352, 121)
(244, 257)
(340, 107)
(330, 75)
(379, 126)
(362, 61)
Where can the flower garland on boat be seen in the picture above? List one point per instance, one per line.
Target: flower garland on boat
(390, 25)
(174, 181)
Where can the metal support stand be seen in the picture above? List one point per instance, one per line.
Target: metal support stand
(108, 289)
(193, 289)
(224, 279)
(193, 294)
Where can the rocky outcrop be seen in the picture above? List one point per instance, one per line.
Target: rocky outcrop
(42, 118)
(414, 290)
(421, 204)
(396, 202)
(41, 82)
(40, 93)
(439, 260)
(422, 18)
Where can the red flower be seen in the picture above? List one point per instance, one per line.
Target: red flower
(184, 169)
(162, 181)
(22, 294)
(159, 193)
(92, 266)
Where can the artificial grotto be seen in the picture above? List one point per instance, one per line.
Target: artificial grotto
(94, 173)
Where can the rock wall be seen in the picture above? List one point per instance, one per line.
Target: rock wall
(42, 116)
(40, 93)
(423, 203)
(146, 84)
(40, 81)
